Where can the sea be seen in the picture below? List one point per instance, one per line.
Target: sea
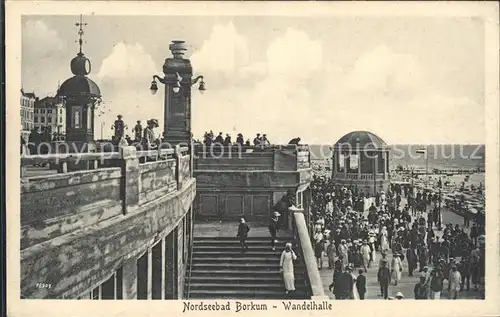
(440, 156)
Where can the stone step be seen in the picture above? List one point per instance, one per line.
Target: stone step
(234, 242)
(236, 266)
(235, 248)
(197, 253)
(237, 258)
(278, 286)
(232, 294)
(263, 279)
(250, 238)
(222, 272)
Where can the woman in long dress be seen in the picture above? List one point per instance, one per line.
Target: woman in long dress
(384, 239)
(318, 247)
(397, 268)
(286, 265)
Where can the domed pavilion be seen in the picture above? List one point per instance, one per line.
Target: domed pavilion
(81, 96)
(361, 159)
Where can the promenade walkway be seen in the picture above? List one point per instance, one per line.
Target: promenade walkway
(407, 283)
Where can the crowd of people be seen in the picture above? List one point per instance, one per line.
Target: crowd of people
(209, 138)
(352, 238)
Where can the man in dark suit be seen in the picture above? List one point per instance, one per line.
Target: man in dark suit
(384, 278)
(344, 284)
(361, 284)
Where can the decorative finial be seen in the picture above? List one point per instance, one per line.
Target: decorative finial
(80, 32)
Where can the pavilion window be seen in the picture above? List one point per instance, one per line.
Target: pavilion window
(340, 163)
(353, 162)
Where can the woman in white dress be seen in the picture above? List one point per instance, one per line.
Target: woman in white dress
(384, 239)
(286, 265)
(396, 267)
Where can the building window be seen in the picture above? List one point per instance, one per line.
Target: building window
(60, 111)
(49, 110)
(49, 119)
(42, 120)
(36, 110)
(35, 119)
(60, 119)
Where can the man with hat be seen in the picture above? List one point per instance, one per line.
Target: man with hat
(454, 282)
(361, 284)
(149, 139)
(273, 228)
(345, 284)
(384, 278)
(138, 131)
(119, 128)
(240, 139)
(436, 283)
(421, 290)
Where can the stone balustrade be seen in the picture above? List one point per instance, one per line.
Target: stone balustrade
(236, 157)
(78, 226)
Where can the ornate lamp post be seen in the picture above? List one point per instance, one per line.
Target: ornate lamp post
(178, 82)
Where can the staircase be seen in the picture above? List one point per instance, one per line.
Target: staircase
(221, 271)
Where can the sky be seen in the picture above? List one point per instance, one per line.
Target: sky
(408, 80)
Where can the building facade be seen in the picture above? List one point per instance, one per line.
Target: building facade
(50, 113)
(27, 102)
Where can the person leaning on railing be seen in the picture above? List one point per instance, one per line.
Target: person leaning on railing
(149, 139)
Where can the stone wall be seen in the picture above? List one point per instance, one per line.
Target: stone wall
(249, 187)
(78, 228)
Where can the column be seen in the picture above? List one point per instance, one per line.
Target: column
(171, 265)
(335, 163)
(157, 270)
(150, 274)
(344, 158)
(130, 177)
(143, 285)
(360, 157)
(375, 173)
(130, 279)
(163, 268)
(386, 160)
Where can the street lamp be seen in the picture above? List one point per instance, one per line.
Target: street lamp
(177, 85)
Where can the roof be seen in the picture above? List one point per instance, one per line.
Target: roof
(79, 85)
(30, 95)
(47, 102)
(360, 139)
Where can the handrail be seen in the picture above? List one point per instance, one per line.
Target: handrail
(59, 157)
(315, 284)
(190, 261)
(88, 156)
(301, 231)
